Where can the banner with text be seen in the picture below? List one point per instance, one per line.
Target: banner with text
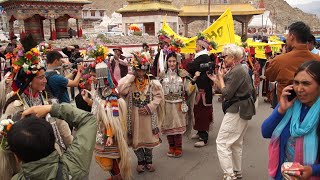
(221, 31)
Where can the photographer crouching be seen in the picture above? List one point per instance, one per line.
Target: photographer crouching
(238, 106)
(203, 105)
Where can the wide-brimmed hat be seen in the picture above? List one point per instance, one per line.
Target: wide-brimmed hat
(118, 48)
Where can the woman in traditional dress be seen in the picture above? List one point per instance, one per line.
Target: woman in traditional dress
(28, 83)
(144, 97)
(179, 93)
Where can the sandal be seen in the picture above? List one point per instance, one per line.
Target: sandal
(140, 168)
(150, 167)
(238, 174)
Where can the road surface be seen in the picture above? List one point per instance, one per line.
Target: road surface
(203, 163)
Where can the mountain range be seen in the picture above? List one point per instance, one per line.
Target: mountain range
(312, 7)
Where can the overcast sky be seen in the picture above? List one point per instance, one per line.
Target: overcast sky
(295, 2)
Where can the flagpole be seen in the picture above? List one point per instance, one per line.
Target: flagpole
(208, 13)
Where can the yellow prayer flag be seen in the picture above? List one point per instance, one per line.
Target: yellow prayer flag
(221, 31)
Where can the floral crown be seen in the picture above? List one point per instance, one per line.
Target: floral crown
(203, 40)
(98, 52)
(163, 36)
(5, 126)
(86, 77)
(175, 46)
(28, 62)
(140, 60)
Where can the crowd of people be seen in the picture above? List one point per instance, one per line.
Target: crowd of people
(125, 103)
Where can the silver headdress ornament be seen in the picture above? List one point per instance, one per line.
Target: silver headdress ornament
(101, 74)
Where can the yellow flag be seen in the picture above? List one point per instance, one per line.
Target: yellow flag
(221, 31)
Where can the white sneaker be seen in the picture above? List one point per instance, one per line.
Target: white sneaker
(199, 144)
(195, 136)
(229, 177)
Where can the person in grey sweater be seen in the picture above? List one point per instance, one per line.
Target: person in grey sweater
(238, 106)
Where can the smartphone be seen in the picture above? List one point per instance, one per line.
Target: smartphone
(292, 95)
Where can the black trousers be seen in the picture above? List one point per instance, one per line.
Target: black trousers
(203, 136)
(144, 155)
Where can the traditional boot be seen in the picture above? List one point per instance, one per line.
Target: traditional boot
(171, 141)
(115, 171)
(178, 145)
(178, 152)
(171, 152)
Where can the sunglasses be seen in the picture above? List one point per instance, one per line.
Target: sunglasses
(223, 56)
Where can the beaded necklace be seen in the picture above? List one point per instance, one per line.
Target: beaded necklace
(140, 85)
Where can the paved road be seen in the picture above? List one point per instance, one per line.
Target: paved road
(203, 163)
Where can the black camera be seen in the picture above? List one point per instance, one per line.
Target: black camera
(109, 55)
(221, 58)
(207, 67)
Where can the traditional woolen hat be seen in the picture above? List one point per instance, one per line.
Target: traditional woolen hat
(205, 42)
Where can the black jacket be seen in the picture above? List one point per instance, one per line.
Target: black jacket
(203, 82)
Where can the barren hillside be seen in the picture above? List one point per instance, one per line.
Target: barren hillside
(282, 13)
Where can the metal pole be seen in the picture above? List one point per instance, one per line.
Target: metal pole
(208, 13)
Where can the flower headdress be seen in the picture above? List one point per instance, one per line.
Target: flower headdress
(205, 42)
(25, 61)
(98, 52)
(140, 60)
(86, 77)
(163, 36)
(5, 126)
(175, 46)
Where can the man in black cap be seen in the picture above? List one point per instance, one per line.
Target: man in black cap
(12, 44)
(9, 49)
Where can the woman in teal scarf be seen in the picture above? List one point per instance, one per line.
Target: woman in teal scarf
(294, 125)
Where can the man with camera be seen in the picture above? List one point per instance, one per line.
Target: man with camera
(56, 82)
(203, 106)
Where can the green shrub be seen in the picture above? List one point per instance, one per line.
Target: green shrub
(101, 36)
(137, 33)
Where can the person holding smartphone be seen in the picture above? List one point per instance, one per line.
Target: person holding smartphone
(238, 106)
(293, 126)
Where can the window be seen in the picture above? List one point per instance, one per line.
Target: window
(225, 1)
(93, 13)
(85, 13)
(101, 13)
